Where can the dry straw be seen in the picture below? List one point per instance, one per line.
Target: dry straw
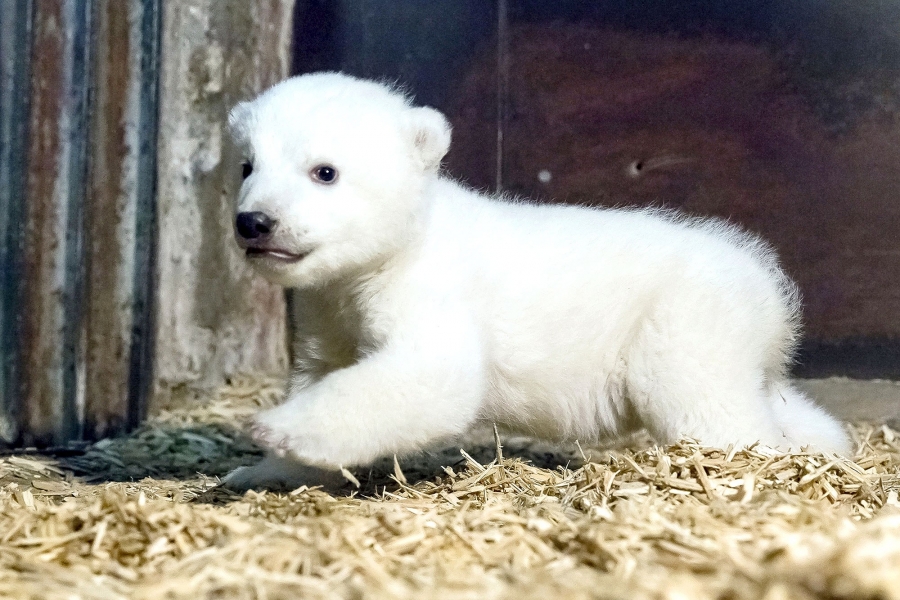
(142, 517)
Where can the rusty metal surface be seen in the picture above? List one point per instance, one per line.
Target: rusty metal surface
(108, 219)
(51, 336)
(121, 217)
(143, 373)
(81, 279)
(15, 74)
(44, 256)
(81, 227)
(78, 229)
(118, 214)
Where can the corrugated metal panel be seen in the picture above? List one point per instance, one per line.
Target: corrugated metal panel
(50, 341)
(120, 216)
(142, 373)
(81, 280)
(78, 216)
(110, 221)
(15, 77)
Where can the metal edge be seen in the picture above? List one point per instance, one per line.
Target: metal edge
(13, 182)
(141, 377)
(80, 91)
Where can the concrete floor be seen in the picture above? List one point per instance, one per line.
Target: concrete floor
(856, 399)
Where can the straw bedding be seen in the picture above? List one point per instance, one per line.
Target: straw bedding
(142, 517)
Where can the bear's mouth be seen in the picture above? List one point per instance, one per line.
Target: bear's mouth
(274, 254)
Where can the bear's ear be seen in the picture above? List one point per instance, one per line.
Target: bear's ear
(431, 136)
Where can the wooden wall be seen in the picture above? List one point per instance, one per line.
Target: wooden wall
(780, 116)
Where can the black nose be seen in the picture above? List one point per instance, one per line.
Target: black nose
(252, 225)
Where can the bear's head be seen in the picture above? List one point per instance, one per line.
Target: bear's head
(335, 174)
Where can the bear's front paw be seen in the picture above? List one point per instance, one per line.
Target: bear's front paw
(325, 438)
(276, 473)
(278, 443)
(271, 433)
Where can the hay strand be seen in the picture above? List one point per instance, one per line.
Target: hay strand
(143, 517)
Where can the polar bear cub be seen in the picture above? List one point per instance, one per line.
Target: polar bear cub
(427, 308)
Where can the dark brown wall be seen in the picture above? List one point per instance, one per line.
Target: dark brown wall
(781, 116)
(712, 126)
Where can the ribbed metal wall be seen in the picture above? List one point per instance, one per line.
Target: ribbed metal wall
(15, 71)
(77, 216)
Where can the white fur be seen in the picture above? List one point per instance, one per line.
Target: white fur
(428, 308)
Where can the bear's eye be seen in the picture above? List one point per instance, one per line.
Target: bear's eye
(324, 174)
(246, 169)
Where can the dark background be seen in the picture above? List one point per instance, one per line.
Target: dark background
(783, 116)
